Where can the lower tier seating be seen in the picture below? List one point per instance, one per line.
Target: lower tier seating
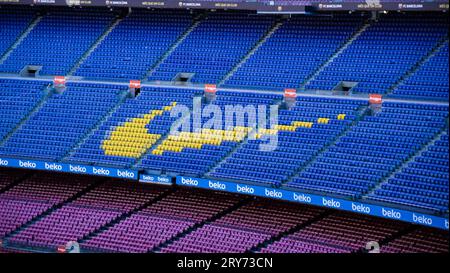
(154, 225)
(35, 195)
(84, 215)
(121, 216)
(243, 229)
(419, 241)
(337, 233)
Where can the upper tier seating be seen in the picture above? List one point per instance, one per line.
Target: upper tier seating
(14, 22)
(295, 51)
(338, 233)
(423, 182)
(35, 195)
(58, 41)
(64, 118)
(196, 151)
(430, 81)
(244, 228)
(214, 47)
(302, 133)
(17, 99)
(148, 228)
(84, 215)
(134, 127)
(135, 44)
(372, 149)
(384, 52)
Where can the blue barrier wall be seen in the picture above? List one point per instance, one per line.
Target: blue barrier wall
(69, 168)
(316, 200)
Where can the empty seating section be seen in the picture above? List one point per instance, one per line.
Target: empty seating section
(430, 81)
(35, 195)
(84, 215)
(423, 182)
(373, 149)
(17, 99)
(396, 156)
(294, 51)
(419, 241)
(198, 149)
(244, 228)
(337, 233)
(8, 177)
(114, 216)
(71, 33)
(134, 127)
(64, 118)
(135, 45)
(147, 229)
(276, 154)
(14, 22)
(225, 39)
(384, 52)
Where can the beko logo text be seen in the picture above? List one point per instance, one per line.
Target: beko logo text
(391, 213)
(163, 179)
(302, 198)
(189, 181)
(360, 208)
(53, 166)
(446, 224)
(331, 203)
(216, 185)
(4, 162)
(422, 219)
(156, 179)
(100, 171)
(77, 169)
(27, 164)
(148, 178)
(245, 189)
(125, 173)
(273, 193)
